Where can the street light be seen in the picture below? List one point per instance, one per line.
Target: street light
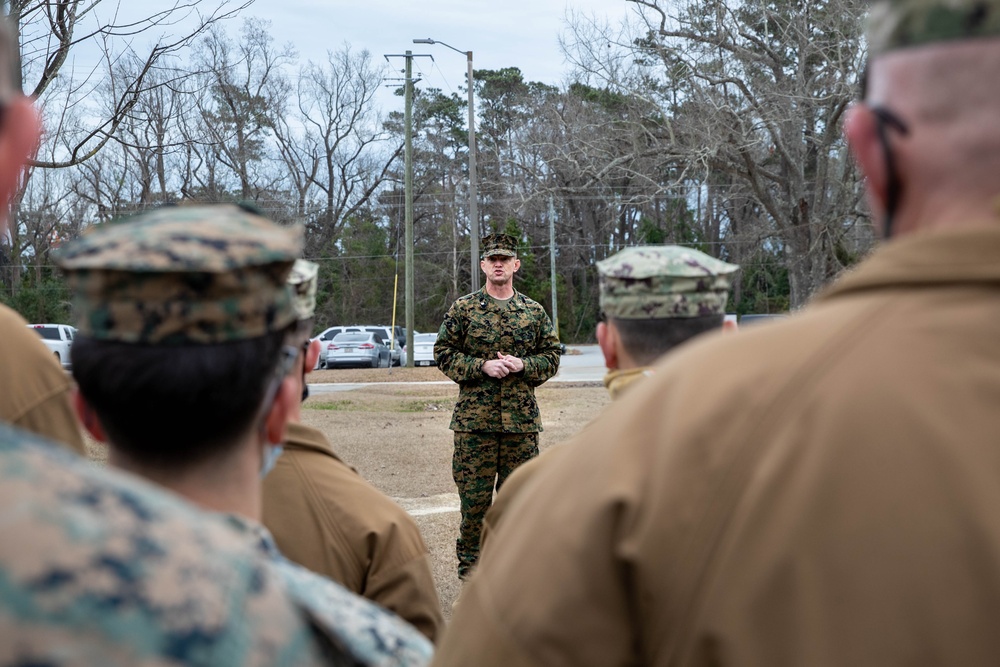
(473, 198)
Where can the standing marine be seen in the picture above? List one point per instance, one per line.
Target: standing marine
(498, 345)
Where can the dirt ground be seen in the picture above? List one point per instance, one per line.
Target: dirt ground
(397, 436)
(398, 439)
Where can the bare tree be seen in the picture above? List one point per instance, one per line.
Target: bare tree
(755, 91)
(244, 83)
(55, 36)
(345, 135)
(49, 31)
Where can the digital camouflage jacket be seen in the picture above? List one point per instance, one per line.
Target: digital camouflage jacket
(474, 330)
(100, 568)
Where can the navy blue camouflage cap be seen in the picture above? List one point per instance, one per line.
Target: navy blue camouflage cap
(499, 244)
(657, 282)
(896, 24)
(183, 275)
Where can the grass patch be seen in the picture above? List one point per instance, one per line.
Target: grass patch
(427, 406)
(330, 405)
(383, 405)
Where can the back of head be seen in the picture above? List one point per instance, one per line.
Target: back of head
(657, 297)
(182, 313)
(931, 67)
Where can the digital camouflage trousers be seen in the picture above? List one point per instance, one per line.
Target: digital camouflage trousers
(481, 459)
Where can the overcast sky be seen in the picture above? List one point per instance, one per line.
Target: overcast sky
(500, 33)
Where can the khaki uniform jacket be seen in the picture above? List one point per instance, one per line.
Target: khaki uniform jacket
(327, 518)
(820, 491)
(474, 330)
(616, 382)
(35, 389)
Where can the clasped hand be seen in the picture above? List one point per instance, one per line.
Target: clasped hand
(503, 365)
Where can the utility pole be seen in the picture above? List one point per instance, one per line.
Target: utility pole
(408, 189)
(552, 265)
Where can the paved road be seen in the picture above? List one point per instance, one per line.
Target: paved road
(588, 366)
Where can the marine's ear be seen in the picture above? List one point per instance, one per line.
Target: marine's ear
(282, 409)
(88, 417)
(20, 131)
(312, 355)
(607, 340)
(861, 131)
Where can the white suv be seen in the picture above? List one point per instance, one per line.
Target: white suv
(58, 338)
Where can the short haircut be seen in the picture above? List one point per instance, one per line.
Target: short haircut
(648, 340)
(173, 407)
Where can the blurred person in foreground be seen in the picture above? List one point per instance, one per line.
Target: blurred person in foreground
(498, 345)
(187, 337)
(820, 491)
(653, 299)
(35, 393)
(326, 517)
(100, 568)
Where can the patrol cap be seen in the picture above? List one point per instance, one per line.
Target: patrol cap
(302, 280)
(499, 244)
(896, 24)
(656, 282)
(183, 275)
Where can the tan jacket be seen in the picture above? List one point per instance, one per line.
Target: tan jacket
(327, 518)
(820, 491)
(34, 389)
(616, 382)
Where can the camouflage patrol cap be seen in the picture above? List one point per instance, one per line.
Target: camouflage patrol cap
(499, 244)
(302, 280)
(896, 24)
(654, 282)
(183, 274)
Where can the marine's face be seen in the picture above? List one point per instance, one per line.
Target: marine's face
(500, 269)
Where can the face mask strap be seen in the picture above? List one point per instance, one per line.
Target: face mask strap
(888, 120)
(285, 363)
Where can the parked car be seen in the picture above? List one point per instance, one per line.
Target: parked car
(395, 340)
(358, 348)
(397, 351)
(325, 337)
(423, 349)
(58, 338)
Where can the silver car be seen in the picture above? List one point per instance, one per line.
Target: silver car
(362, 348)
(423, 349)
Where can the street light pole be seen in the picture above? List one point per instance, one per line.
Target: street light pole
(473, 183)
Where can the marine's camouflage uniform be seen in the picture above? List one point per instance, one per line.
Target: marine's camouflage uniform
(371, 634)
(99, 568)
(496, 421)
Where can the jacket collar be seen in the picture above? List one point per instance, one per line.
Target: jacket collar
(486, 301)
(305, 438)
(925, 259)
